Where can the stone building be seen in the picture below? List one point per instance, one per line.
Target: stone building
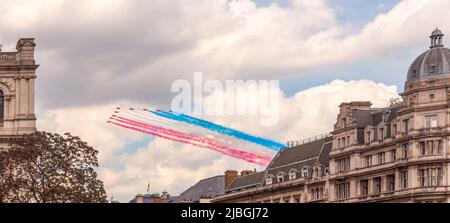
(17, 91)
(400, 153)
(297, 174)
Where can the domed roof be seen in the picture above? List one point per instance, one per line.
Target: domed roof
(433, 63)
(436, 32)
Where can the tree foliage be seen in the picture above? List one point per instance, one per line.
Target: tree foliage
(50, 168)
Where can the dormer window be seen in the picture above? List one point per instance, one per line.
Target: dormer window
(269, 181)
(280, 178)
(381, 134)
(316, 172)
(326, 171)
(344, 123)
(305, 172)
(368, 137)
(292, 175)
(386, 117)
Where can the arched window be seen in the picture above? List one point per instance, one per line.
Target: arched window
(2, 105)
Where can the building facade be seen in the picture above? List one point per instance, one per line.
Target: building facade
(17, 91)
(400, 153)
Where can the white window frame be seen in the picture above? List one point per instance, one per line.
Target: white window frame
(381, 158)
(368, 161)
(280, 176)
(431, 121)
(305, 173)
(292, 175)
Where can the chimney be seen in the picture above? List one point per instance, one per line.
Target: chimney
(360, 104)
(165, 195)
(139, 199)
(25, 51)
(230, 175)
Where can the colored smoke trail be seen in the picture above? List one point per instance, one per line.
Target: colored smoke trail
(147, 117)
(276, 146)
(187, 139)
(190, 137)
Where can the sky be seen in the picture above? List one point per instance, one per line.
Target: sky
(95, 55)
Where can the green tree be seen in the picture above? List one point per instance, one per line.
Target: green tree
(50, 168)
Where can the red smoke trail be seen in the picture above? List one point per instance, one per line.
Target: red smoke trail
(217, 147)
(251, 158)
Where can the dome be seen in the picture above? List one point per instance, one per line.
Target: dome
(436, 32)
(433, 63)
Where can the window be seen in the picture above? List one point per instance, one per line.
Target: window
(292, 175)
(381, 158)
(394, 130)
(431, 121)
(440, 176)
(439, 147)
(377, 185)
(343, 165)
(381, 134)
(269, 181)
(404, 179)
(422, 150)
(339, 143)
(393, 155)
(2, 101)
(369, 137)
(432, 96)
(305, 172)
(317, 193)
(368, 161)
(344, 123)
(430, 147)
(386, 116)
(432, 68)
(280, 177)
(405, 150)
(348, 140)
(390, 183)
(326, 171)
(430, 177)
(422, 178)
(343, 142)
(406, 125)
(364, 187)
(342, 191)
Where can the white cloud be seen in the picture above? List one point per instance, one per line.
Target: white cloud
(124, 47)
(175, 167)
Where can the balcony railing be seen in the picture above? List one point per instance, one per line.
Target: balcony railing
(431, 130)
(7, 56)
(312, 139)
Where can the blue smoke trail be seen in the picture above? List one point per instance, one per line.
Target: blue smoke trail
(270, 144)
